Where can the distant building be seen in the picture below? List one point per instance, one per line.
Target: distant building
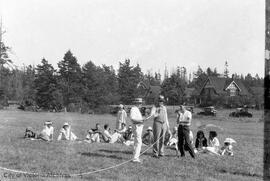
(227, 89)
(148, 92)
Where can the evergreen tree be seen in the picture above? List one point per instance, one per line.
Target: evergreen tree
(226, 70)
(70, 79)
(128, 78)
(173, 89)
(47, 96)
(28, 84)
(199, 78)
(100, 85)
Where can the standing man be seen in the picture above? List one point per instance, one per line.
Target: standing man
(160, 126)
(121, 117)
(184, 120)
(137, 120)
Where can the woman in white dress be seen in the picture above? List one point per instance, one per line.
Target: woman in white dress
(47, 132)
(121, 117)
(66, 133)
(214, 144)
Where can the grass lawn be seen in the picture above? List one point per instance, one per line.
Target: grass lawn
(68, 158)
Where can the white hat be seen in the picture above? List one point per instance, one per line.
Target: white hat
(149, 128)
(121, 106)
(48, 122)
(66, 124)
(129, 127)
(229, 140)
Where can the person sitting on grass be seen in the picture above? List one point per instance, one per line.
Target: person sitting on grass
(108, 137)
(128, 136)
(94, 134)
(213, 147)
(66, 133)
(173, 141)
(201, 142)
(227, 149)
(148, 137)
(47, 132)
(30, 133)
(122, 130)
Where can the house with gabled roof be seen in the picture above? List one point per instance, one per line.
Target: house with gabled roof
(227, 88)
(148, 92)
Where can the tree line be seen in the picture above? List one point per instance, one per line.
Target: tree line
(90, 86)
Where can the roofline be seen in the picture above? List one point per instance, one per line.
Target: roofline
(235, 84)
(208, 78)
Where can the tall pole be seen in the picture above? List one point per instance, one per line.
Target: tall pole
(1, 38)
(267, 95)
(1, 63)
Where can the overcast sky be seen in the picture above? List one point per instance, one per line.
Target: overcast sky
(149, 32)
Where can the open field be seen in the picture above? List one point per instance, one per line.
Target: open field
(68, 158)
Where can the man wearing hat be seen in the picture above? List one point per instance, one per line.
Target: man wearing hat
(160, 126)
(47, 132)
(121, 117)
(137, 120)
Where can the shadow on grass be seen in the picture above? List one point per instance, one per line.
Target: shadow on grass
(102, 155)
(239, 173)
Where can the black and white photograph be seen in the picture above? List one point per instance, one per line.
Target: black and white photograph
(135, 90)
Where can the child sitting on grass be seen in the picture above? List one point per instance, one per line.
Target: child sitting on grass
(227, 149)
(201, 142)
(148, 137)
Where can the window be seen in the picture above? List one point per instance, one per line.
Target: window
(233, 90)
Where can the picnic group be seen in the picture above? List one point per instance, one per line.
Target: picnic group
(159, 135)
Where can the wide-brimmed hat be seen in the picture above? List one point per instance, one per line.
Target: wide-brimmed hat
(229, 140)
(149, 128)
(48, 123)
(138, 100)
(66, 124)
(211, 127)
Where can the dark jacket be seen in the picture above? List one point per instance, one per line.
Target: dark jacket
(200, 142)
